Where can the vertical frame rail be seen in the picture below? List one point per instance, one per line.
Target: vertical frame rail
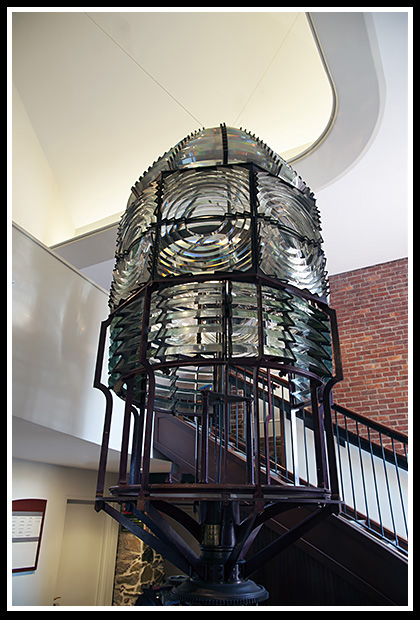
(97, 383)
(122, 476)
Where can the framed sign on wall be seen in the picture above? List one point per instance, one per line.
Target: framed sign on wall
(27, 525)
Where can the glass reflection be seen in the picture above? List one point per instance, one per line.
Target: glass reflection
(279, 204)
(186, 320)
(291, 259)
(208, 246)
(195, 194)
(125, 338)
(179, 390)
(204, 148)
(244, 336)
(219, 205)
(131, 270)
(137, 219)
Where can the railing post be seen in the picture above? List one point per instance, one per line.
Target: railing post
(268, 419)
(148, 429)
(249, 444)
(122, 478)
(204, 466)
(329, 434)
(256, 421)
(320, 452)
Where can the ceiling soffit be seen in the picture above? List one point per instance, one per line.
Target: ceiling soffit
(354, 76)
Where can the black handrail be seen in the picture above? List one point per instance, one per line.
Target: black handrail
(371, 470)
(381, 428)
(367, 450)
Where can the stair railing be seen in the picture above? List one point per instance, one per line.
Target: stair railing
(372, 459)
(373, 471)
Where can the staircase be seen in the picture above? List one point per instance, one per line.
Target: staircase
(357, 557)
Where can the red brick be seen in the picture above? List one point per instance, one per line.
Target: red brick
(372, 314)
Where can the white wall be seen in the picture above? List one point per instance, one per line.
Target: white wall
(366, 214)
(367, 483)
(56, 484)
(37, 203)
(56, 318)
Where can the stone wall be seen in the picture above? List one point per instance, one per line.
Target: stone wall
(137, 567)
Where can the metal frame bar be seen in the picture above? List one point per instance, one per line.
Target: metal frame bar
(97, 383)
(291, 536)
(122, 477)
(162, 545)
(252, 429)
(266, 499)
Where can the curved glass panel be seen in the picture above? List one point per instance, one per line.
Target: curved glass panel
(213, 193)
(199, 232)
(297, 331)
(291, 259)
(125, 337)
(204, 246)
(179, 390)
(243, 147)
(300, 390)
(277, 337)
(277, 203)
(137, 219)
(215, 146)
(132, 270)
(244, 333)
(186, 320)
(311, 335)
(204, 148)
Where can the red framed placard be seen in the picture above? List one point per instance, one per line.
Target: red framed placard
(27, 524)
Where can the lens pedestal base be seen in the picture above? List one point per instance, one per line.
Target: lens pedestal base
(198, 592)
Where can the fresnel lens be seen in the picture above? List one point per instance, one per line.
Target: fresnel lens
(221, 338)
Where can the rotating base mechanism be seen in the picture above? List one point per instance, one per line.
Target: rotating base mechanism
(221, 582)
(198, 592)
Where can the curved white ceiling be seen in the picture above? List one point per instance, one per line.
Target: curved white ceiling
(348, 45)
(109, 93)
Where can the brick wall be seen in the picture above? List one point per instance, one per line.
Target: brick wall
(372, 313)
